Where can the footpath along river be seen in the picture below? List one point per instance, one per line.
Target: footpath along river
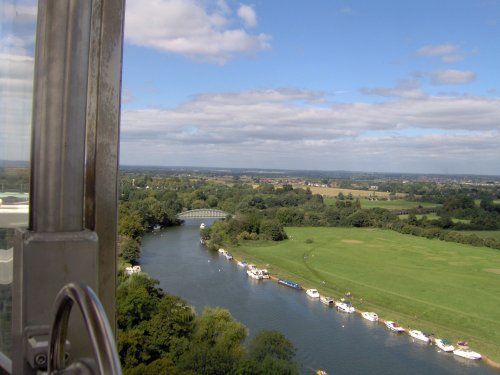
(325, 339)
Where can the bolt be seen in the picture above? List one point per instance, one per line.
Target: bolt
(41, 360)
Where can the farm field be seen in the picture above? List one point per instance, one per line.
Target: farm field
(398, 204)
(434, 216)
(450, 289)
(333, 192)
(430, 216)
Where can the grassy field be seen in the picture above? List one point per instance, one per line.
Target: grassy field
(398, 204)
(450, 289)
(483, 233)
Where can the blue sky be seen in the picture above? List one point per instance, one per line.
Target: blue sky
(394, 86)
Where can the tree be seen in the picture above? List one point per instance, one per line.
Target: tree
(274, 353)
(271, 343)
(217, 344)
(271, 229)
(130, 250)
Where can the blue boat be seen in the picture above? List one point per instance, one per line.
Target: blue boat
(290, 284)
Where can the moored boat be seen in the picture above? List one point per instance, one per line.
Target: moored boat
(265, 274)
(313, 293)
(228, 255)
(393, 326)
(202, 226)
(345, 306)
(444, 345)
(369, 315)
(419, 335)
(326, 300)
(467, 353)
(289, 283)
(242, 263)
(254, 274)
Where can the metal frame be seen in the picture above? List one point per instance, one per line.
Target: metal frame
(74, 169)
(97, 326)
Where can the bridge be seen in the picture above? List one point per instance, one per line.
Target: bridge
(203, 213)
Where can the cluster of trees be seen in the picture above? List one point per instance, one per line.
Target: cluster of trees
(246, 226)
(261, 212)
(160, 334)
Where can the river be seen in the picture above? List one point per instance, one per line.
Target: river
(325, 339)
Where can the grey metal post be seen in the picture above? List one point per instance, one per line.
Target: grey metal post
(103, 126)
(59, 115)
(75, 138)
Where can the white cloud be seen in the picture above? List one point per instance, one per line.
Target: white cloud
(247, 14)
(409, 89)
(452, 77)
(449, 53)
(190, 28)
(286, 129)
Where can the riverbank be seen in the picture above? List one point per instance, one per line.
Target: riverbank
(392, 274)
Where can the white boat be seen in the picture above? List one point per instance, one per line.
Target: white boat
(313, 293)
(444, 345)
(393, 326)
(344, 306)
(326, 300)
(265, 274)
(255, 274)
(251, 266)
(419, 335)
(467, 353)
(157, 227)
(369, 315)
(222, 251)
(202, 226)
(242, 263)
(228, 255)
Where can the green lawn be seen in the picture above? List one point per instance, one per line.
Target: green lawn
(483, 233)
(397, 204)
(434, 216)
(430, 216)
(450, 289)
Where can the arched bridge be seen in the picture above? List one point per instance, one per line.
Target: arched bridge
(203, 213)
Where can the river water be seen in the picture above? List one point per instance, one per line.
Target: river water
(325, 339)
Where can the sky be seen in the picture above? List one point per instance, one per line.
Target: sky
(360, 85)
(387, 86)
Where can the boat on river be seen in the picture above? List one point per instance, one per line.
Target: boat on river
(202, 226)
(255, 274)
(395, 327)
(369, 315)
(345, 306)
(313, 293)
(242, 263)
(467, 353)
(265, 274)
(326, 300)
(289, 283)
(444, 345)
(419, 335)
(228, 255)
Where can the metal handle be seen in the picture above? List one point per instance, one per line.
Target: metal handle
(97, 326)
